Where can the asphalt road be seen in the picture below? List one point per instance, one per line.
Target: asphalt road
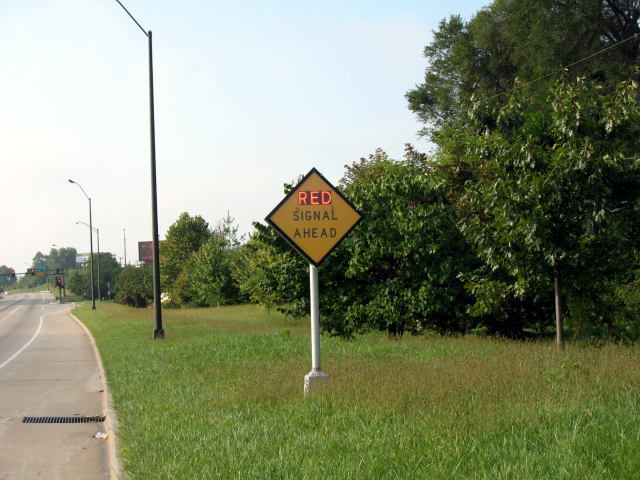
(48, 368)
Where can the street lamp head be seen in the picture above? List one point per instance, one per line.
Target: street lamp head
(71, 181)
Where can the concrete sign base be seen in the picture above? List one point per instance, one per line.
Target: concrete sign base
(313, 379)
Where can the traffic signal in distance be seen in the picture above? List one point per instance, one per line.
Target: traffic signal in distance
(57, 271)
(13, 273)
(59, 281)
(31, 272)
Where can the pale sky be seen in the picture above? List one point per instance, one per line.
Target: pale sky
(248, 95)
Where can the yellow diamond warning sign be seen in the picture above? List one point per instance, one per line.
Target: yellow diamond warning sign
(314, 217)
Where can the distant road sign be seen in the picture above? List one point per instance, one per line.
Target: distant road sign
(36, 272)
(314, 217)
(145, 252)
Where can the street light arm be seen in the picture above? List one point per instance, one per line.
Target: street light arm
(95, 229)
(93, 299)
(132, 17)
(85, 193)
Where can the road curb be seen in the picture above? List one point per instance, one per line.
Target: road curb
(111, 424)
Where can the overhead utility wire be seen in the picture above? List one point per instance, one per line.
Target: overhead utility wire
(563, 68)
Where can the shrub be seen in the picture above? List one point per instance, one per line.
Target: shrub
(134, 286)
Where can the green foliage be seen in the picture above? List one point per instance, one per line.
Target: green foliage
(404, 260)
(554, 191)
(78, 281)
(134, 286)
(6, 280)
(39, 260)
(109, 271)
(227, 230)
(521, 39)
(543, 180)
(267, 271)
(210, 274)
(184, 238)
(397, 271)
(63, 258)
(196, 262)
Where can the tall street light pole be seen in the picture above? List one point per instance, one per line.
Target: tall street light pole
(124, 241)
(157, 307)
(93, 298)
(98, 235)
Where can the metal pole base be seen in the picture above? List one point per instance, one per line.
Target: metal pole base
(314, 379)
(158, 333)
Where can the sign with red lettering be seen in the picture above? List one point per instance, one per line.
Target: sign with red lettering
(314, 217)
(314, 197)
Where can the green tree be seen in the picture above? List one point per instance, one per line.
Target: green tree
(268, 272)
(184, 238)
(62, 258)
(210, 274)
(512, 39)
(6, 280)
(109, 271)
(227, 229)
(404, 260)
(552, 204)
(39, 260)
(134, 286)
(78, 281)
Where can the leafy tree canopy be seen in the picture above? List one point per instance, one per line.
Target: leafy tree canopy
(554, 193)
(184, 238)
(134, 286)
(63, 258)
(522, 39)
(6, 280)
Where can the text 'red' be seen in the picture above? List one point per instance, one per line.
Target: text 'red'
(314, 197)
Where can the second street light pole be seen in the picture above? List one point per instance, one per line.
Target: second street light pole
(98, 235)
(159, 331)
(93, 298)
(157, 307)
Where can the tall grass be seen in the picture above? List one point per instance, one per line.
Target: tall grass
(221, 397)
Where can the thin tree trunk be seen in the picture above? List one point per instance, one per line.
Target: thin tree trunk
(559, 336)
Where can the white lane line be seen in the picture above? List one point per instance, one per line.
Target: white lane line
(24, 347)
(7, 316)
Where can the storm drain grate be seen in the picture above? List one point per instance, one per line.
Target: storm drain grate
(96, 419)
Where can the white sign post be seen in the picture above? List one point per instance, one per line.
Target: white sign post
(316, 376)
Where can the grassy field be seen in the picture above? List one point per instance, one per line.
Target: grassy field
(221, 397)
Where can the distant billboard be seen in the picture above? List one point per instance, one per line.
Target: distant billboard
(82, 259)
(145, 251)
